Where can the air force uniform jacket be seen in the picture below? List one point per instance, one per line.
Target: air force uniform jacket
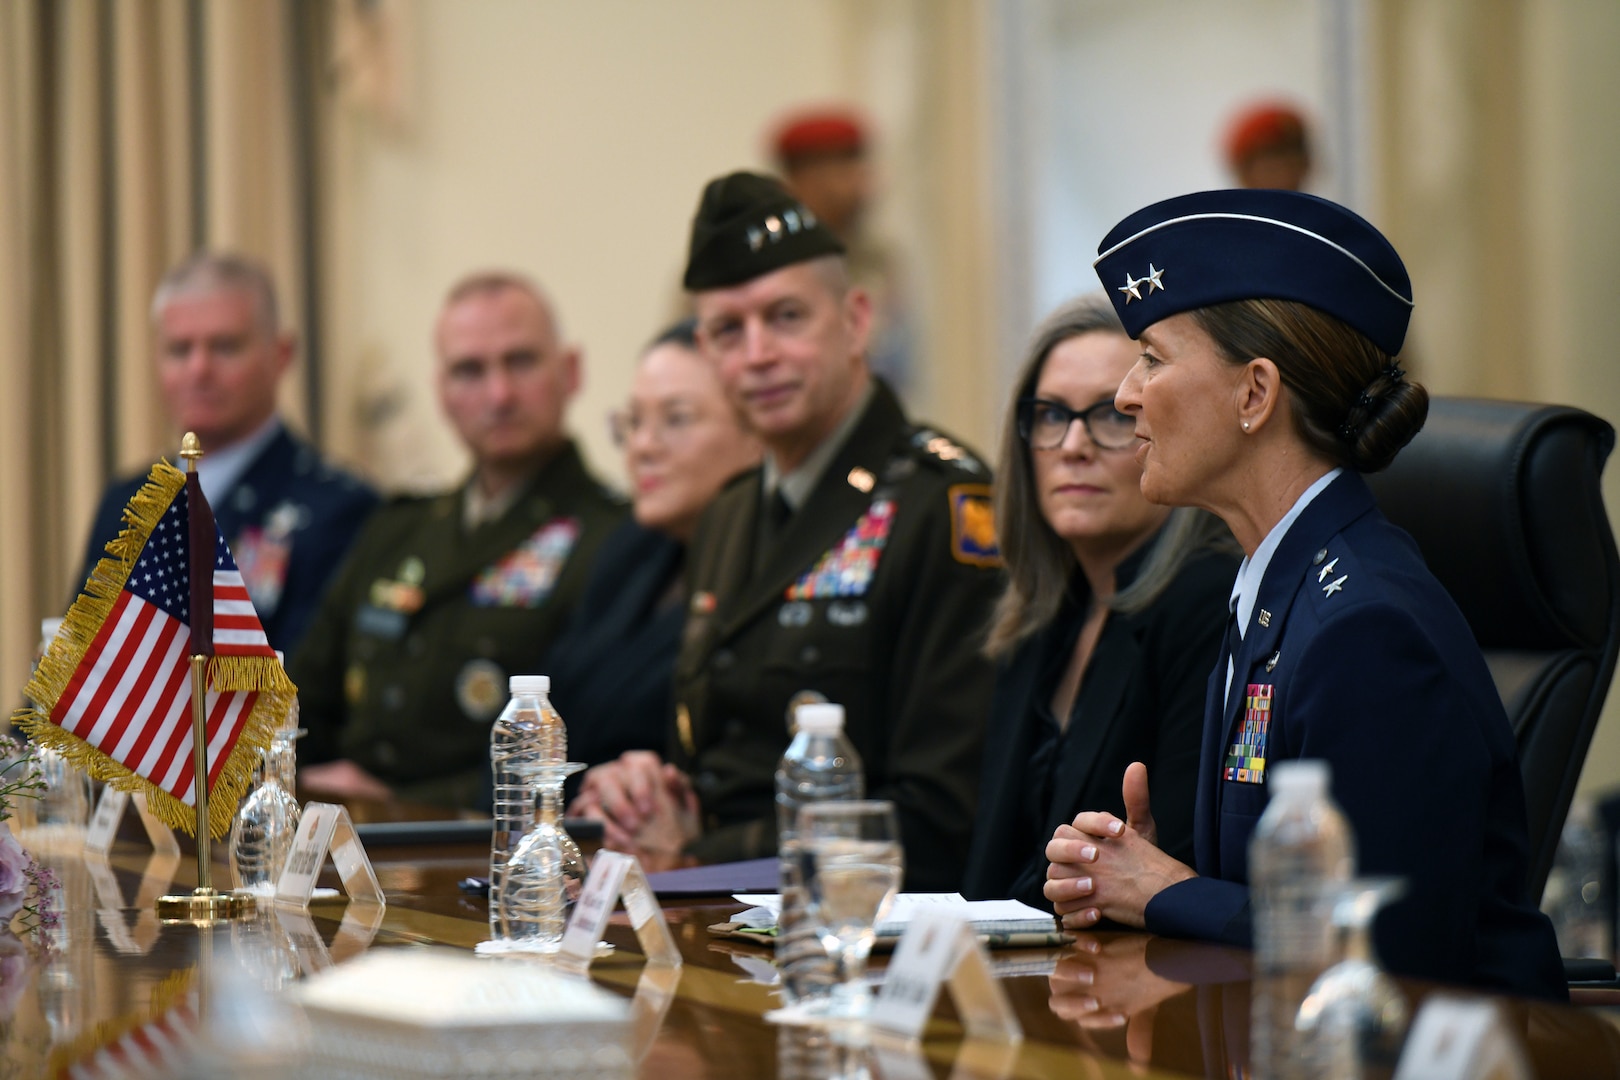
(1356, 655)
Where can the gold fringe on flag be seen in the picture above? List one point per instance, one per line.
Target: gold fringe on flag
(227, 673)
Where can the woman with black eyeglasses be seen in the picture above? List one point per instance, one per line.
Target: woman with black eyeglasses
(1113, 610)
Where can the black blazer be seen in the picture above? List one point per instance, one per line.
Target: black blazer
(1141, 699)
(611, 668)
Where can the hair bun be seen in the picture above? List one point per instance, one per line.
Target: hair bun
(1392, 419)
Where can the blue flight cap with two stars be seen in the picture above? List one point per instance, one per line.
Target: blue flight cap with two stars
(1212, 247)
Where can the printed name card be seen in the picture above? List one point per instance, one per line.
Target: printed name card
(103, 828)
(940, 948)
(615, 876)
(325, 828)
(1453, 1038)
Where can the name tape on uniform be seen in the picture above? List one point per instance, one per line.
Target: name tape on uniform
(615, 876)
(325, 828)
(938, 949)
(103, 827)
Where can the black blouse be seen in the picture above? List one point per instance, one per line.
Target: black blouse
(1141, 698)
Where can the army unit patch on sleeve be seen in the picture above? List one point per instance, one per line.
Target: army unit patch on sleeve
(525, 576)
(1246, 757)
(847, 569)
(973, 525)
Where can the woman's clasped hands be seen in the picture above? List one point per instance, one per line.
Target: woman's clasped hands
(1105, 868)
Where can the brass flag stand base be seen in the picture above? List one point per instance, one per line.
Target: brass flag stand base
(202, 906)
(205, 907)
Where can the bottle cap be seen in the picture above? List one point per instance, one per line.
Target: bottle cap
(1306, 777)
(528, 684)
(820, 718)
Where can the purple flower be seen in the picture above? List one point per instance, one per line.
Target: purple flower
(15, 864)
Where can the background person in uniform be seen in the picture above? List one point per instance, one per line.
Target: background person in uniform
(1268, 321)
(825, 160)
(611, 669)
(444, 597)
(1113, 608)
(857, 565)
(287, 515)
(1268, 146)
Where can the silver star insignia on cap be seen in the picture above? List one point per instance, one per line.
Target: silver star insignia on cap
(1132, 287)
(1152, 279)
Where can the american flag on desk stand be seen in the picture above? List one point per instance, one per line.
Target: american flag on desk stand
(113, 691)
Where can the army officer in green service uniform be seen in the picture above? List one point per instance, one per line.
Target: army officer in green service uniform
(442, 598)
(857, 566)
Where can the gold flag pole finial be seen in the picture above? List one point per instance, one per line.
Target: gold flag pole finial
(203, 905)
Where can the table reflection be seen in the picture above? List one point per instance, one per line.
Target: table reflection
(117, 980)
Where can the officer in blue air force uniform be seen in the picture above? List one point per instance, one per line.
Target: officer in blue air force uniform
(1268, 322)
(288, 516)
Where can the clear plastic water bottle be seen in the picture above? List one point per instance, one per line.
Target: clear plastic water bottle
(514, 738)
(545, 872)
(1301, 853)
(820, 764)
(1301, 850)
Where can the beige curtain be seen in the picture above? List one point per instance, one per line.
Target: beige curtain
(130, 135)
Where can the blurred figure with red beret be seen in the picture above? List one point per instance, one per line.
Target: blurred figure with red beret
(822, 155)
(1268, 146)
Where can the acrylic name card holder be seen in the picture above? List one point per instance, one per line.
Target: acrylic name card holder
(325, 829)
(939, 949)
(616, 876)
(109, 814)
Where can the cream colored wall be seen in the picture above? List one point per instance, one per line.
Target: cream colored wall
(567, 140)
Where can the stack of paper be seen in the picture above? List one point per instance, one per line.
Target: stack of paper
(987, 916)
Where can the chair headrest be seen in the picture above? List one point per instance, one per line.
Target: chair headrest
(1505, 501)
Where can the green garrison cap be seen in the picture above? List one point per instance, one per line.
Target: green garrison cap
(748, 225)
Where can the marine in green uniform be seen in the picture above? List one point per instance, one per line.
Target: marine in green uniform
(857, 566)
(442, 598)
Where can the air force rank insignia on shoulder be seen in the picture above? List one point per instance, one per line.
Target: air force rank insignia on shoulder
(973, 525)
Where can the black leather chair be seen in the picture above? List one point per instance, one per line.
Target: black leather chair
(1505, 500)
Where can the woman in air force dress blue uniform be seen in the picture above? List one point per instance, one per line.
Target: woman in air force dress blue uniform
(1268, 321)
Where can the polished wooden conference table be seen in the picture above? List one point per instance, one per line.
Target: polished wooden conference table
(1110, 1005)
